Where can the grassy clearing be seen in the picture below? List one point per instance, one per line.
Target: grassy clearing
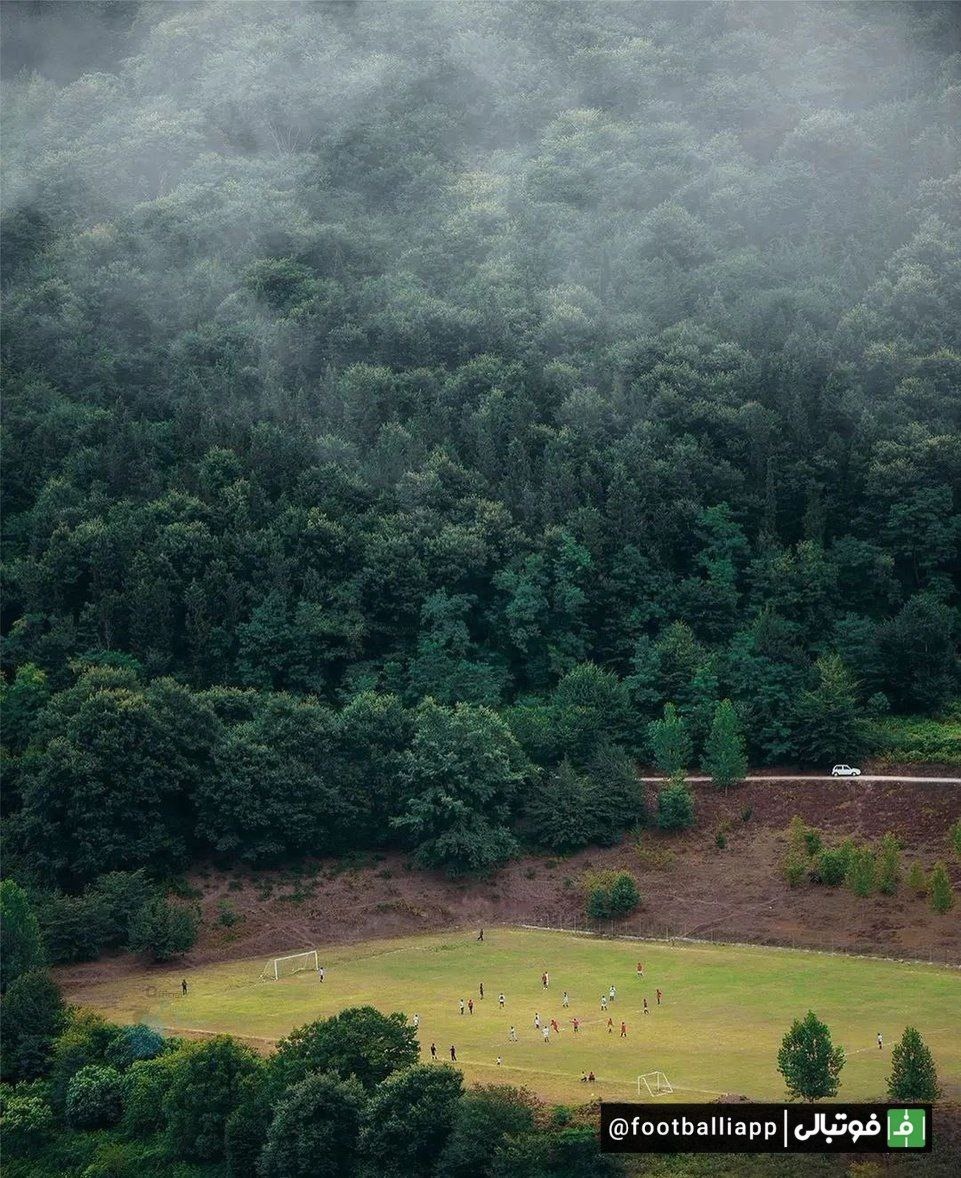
(725, 1008)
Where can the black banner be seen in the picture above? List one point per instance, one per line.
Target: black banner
(765, 1128)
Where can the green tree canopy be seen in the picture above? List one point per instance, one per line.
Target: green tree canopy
(359, 1042)
(808, 1060)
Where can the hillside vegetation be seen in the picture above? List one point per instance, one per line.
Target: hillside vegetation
(405, 403)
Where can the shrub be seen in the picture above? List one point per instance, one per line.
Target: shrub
(25, 1123)
(861, 876)
(94, 1097)
(795, 869)
(918, 880)
(227, 914)
(624, 894)
(599, 904)
(955, 834)
(720, 840)
(812, 841)
(831, 866)
(889, 865)
(803, 841)
(610, 894)
(942, 894)
(675, 807)
(913, 739)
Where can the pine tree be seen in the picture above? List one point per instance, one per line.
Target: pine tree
(942, 894)
(862, 872)
(889, 865)
(675, 805)
(670, 742)
(828, 716)
(725, 756)
(808, 1060)
(624, 895)
(913, 1077)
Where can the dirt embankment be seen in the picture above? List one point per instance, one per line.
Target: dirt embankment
(690, 886)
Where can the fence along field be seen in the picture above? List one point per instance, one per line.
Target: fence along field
(725, 1008)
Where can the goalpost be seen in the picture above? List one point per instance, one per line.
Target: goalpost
(283, 967)
(656, 1084)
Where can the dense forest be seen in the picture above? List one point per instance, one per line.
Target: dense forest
(405, 403)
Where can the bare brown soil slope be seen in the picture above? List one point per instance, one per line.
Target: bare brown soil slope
(690, 886)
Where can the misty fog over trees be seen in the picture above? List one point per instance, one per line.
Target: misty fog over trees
(405, 402)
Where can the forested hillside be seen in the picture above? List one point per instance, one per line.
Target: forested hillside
(404, 403)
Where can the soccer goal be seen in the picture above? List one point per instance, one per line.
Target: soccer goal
(653, 1084)
(283, 967)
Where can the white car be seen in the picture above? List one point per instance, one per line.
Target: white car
(845, 771)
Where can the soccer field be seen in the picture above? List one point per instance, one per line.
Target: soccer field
(724, 1012)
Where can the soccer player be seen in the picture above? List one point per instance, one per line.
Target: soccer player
(659, 996)
(575, 1023)
(183, 987)
(482, 989)
(470, 1005)
(547, 979)
(321, 974)
(603, 1002)
(623, 1030)
(554, 1027)
(546, 1032)
(565, 1001)
(537, 1021)
(480, 935)
(583, 1077)
(462, 1006)
(501, 1000)
(416, 1021)
(646, 1011)
(640, 969)
(499, 1061)
(433, 1050)
(544, 980)
(610, 1026)
(613, 993)
(880, 1041)
(512, 1034)
(590, 1077)
(453, 1053)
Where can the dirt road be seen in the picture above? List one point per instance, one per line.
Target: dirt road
(899, 777)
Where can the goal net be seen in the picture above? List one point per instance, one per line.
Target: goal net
(283, 967)
(653, 1084)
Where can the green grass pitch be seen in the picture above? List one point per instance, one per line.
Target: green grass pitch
(724, 1012)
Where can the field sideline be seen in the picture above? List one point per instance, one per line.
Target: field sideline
(725, 1008)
